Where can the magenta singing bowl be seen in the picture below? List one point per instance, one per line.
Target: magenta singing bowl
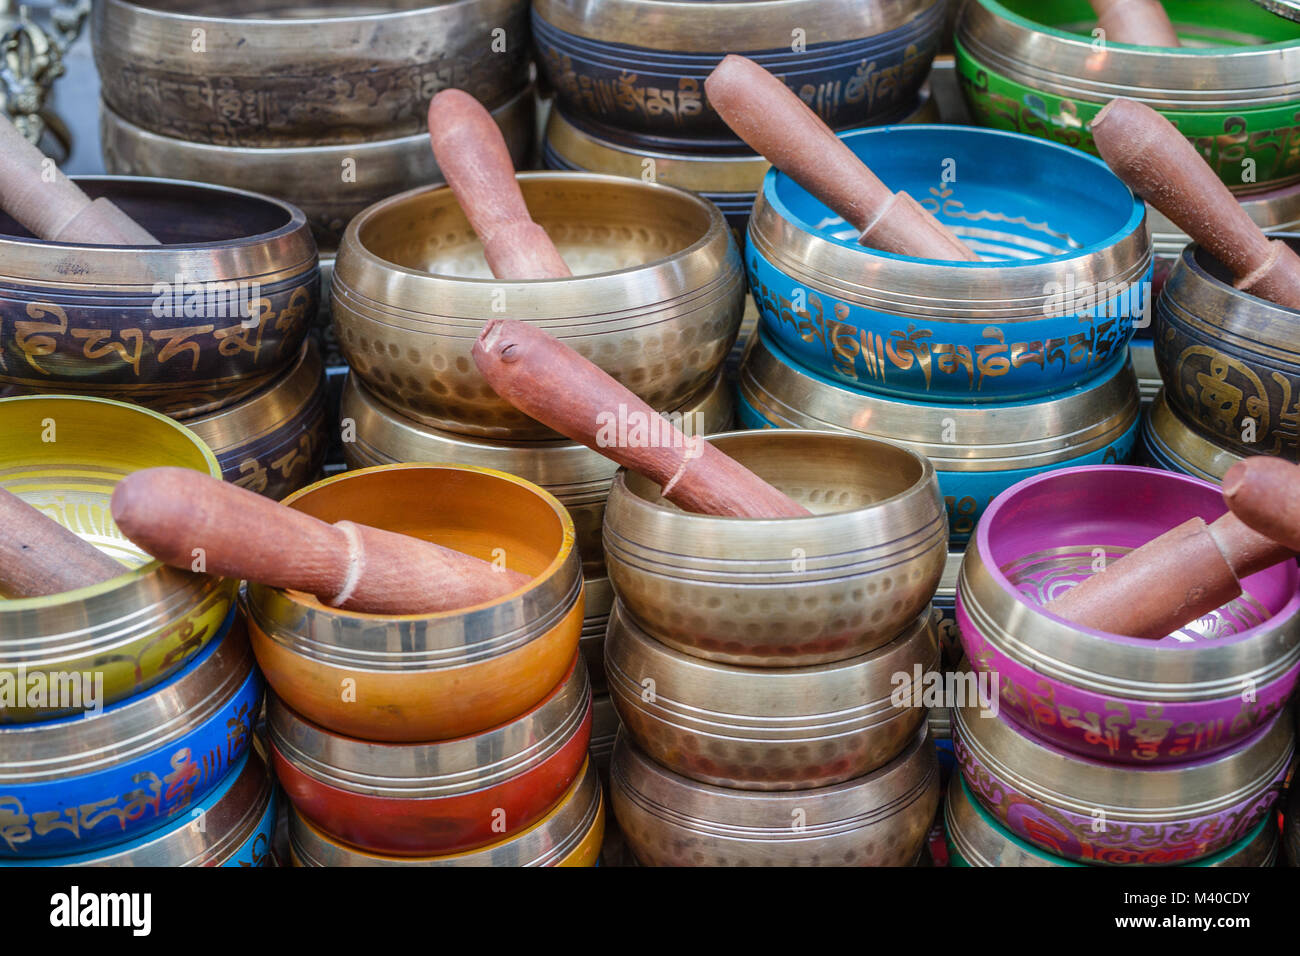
(1189, 695)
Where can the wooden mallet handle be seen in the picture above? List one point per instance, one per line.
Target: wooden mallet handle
(474, 159)
(1141, 22)
(38, 556)
(550, 382)
(189, 520)
(772, 120)
(1264, 493)
(51, 206)
(1146, 151)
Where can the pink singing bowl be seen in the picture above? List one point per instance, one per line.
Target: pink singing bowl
(447, 796)
(1187, 696)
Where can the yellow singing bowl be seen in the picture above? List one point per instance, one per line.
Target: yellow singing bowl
(421, 677)
(64, 455)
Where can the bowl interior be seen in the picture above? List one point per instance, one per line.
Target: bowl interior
(826, 473)
(479, 512)
(1216, 269)
(1200, 23)
(1014, 198)
(180, 213)
(1040, 536)
(65, 455)
(599, 225)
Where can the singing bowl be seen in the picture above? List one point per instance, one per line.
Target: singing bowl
(784, 592)
(1064, 271)
(64, 455)
(414, 678)
(430, 799)
(749, 728)
(1142, 354)
(1171, 442)
(1277, 210)
(977, 451)
(330, 183)
(976, 838)
(274, 442)
(880, 819)
(600, 601)
(289, 73)
(1230, 360)
(637, 67)
(232, 825)
(578, 476)
(1188, 696)
(1102, 812)
(655, 300)
(83, 782)
(168, 326)
(1232, 87)
(729, 180)
(569, 835)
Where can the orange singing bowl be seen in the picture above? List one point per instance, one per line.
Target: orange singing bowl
(440, 797)
(421, 677)
(569, 835)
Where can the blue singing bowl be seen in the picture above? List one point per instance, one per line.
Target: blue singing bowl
(87, 782)
(1066, 270)
(233, 825)
(978, 451)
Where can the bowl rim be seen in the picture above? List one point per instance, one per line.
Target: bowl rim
(351, 240)
(568, 544)
(1189, 259)
(1060, 152)
(980, 541)
(146, 10)
(129, 575)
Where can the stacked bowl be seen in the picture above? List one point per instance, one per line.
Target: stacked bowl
(1105, 749)
(318, 103)
(655, 301)
(126, 707)
(210, 327)
(1232, 88)
(767, 672)
(1231, 370)
(456, 738)
(628, 81)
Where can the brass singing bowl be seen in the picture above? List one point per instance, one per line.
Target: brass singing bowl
(749, 728)
(1230, 360)
(165, 326)
(1108, 813)
(600, 601)
(302, 72)
(655, 300)
(792, 591)
(274, 442)
(64, 455)
(1170, 442)
(880, 819)
(330, 183)
(421, 677)
(976, 839)
(579, 476)
(232, 826)
(570, 835)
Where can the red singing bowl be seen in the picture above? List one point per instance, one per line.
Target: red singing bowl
(435, 798)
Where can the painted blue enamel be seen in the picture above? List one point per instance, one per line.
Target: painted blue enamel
(109, 806)
(1032, 209)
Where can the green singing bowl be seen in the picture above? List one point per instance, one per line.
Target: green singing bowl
(1232, 87)
(785, 592)
(64, 455)
(655, 300)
